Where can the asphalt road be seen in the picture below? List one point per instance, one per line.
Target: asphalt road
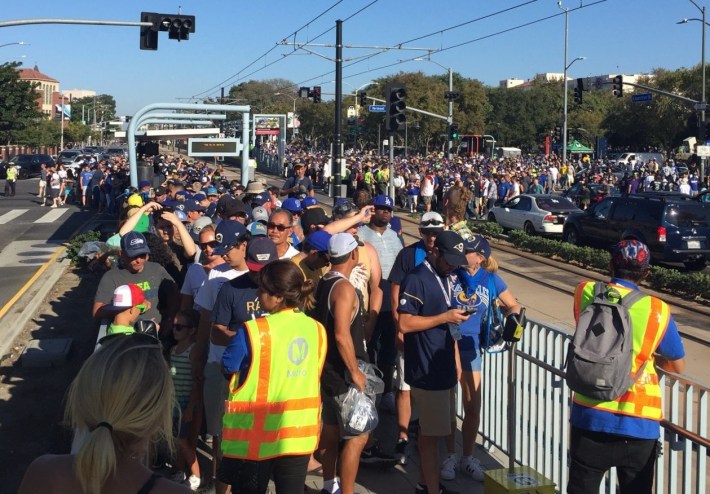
(30, 234)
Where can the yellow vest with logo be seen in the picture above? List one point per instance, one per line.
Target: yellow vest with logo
(276, 410)
(11, 173)
(649, 321)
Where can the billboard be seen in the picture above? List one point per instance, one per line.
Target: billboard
(266, 126)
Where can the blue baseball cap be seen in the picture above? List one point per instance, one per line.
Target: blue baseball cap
(227, 233)
(293, 205)
(200, 196)
(478, 244)
(257, 229)
(383, 201)
(318, 240)
(212, 191)
(309, 201)
(259, 199)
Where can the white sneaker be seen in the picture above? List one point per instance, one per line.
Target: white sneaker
(448, 468)
(472, 467)
(194, 481)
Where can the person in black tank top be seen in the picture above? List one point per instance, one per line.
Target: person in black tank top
(338, 309)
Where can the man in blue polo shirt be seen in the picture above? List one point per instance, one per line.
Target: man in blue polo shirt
(431, 362)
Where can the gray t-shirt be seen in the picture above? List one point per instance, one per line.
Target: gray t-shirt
(154, 280)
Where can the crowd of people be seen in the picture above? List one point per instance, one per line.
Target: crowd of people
(265, 308)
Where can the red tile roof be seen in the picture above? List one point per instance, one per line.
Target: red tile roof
(35, 75)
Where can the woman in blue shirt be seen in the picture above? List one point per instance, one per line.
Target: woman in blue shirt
(476, 286)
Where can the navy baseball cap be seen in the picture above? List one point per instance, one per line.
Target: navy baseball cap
(260, 252)
(134, 244)
(479, 245)
(383, 201)
(452, 247)
(227, 233)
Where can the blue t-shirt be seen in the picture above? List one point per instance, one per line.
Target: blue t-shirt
(591, 419)
(86, 176)
(473, 291)
(429, 358)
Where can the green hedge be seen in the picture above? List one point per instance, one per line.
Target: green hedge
(693, 285)
(75, 245)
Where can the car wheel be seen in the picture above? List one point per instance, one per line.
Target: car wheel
(23, 174)
(529, 229)
(492, 217)
(695, 265)
(571, 235)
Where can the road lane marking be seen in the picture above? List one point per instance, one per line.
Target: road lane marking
(11, 215)
(52, 216)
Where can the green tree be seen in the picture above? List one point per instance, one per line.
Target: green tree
(18, 110)
(100, 108)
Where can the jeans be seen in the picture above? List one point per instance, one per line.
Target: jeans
(593, 453)
(252, 477)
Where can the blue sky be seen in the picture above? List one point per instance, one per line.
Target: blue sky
(626, 36)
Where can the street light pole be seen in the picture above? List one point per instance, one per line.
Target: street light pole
(564, 81)
(450, 114)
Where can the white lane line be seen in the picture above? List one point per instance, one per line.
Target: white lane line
(52, 216)
(11, 215)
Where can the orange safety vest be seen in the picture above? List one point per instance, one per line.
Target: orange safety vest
(649, 321)
(276, 410)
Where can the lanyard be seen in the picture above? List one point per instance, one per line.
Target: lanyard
(447, 293)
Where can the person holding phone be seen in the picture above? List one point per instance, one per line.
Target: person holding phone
(477, 286)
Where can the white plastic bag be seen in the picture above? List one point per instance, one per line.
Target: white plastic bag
(91, 249)
(358, 412)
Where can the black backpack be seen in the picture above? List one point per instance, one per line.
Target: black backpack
(600, 356)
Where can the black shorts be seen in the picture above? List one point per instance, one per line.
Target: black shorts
(252, 477)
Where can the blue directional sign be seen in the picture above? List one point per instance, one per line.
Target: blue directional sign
(640, 98)
(378, 108)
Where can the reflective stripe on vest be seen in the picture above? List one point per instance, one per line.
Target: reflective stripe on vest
(276, 411)
(649, 321)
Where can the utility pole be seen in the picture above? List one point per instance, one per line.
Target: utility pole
(337, 167)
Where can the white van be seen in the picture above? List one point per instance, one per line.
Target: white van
(504, 152)
(635, 158)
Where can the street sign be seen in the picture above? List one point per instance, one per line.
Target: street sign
(377, 108)
(640, 98)
(701, 107)
(703, 151)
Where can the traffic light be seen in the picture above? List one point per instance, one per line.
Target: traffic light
(362, 98)
(396, 104)
(316, 94)
(578, 90)
(178, 27)
(149, 34)
(303, 92)
(453, 132)
(618, 86)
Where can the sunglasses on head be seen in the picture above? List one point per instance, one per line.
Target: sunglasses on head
(275, 226)
(431, 223)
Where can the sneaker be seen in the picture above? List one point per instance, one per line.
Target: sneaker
(177, 477)
(387, 403)
(448, 468)
(472, 467)
(194, 482)
(337, 491)
(375, 456)
(422, 489)
(400, 451)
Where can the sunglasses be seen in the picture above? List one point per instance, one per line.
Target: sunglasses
(212, 244)
(140, 256)
(275, 226)
(431, 223)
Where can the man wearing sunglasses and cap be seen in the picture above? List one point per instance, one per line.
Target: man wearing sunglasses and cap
(136, 268)
(430, 225)
(432, 365)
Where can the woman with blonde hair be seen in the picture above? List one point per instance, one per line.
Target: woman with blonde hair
(119, 406)
(477, 290)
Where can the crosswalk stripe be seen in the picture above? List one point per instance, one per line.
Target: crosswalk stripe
(52, 216)
(11, 215)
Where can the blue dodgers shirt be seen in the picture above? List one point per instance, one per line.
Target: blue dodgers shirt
(670, 347)
(429, 358)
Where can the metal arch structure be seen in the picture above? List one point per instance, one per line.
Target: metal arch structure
(283, 122)
(145, 113)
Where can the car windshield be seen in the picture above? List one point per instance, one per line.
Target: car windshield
(554, 203)
(688, 215)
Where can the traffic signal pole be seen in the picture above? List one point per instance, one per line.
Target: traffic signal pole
(337, 166)
(450, 116)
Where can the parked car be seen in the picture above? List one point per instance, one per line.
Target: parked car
(116, 151)
(675, 226)
(534, 213)
(29, 164)
(597, 192)
(68, 155)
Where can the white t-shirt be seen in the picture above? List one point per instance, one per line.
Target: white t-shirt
(207, 296)
(292, 251)
(194, 279)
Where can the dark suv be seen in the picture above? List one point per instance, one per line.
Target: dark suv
(30, 164)
(675, 227)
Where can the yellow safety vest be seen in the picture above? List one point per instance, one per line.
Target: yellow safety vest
(649, 321)
(11, 173)
(276, 411)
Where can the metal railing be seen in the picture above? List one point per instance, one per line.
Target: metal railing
(268, 163)
(543, 408)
